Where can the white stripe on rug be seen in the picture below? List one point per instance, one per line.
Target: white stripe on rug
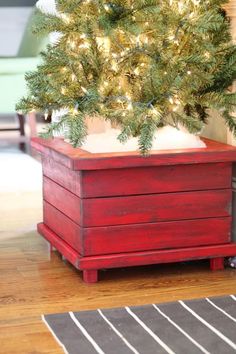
(213, 329)
(118, 333)
(233, 297)
(221, 310)
(149, 331)
(54, 335)
(86, 334)
(181, 330)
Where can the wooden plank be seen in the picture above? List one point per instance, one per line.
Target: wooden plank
(115, 182)
(61, 246)
(64, 227)
(158, 179)
(135, 258)
(141, 237)
(78, 159)
(156, 207)
(65, 201)
(155, 257)
(62, 175)
(58, 150)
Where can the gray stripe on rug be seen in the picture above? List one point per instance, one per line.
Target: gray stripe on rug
(145, 330)
(195, 328)
(213, 316)
(227, 304)
(165, 330)
(101, 332)
(133, 332)
(68, 334)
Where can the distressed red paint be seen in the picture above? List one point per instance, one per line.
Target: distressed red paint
(115, 210)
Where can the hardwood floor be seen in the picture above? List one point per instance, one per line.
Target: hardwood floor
(35, 282)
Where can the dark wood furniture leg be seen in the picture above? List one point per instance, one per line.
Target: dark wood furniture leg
(21, 119)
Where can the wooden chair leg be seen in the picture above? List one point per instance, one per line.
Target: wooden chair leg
(21, 118)
(217, 263)
(90, 276)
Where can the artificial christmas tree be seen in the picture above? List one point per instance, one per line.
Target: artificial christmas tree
(142, 65)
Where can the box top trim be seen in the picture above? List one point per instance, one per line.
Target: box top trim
(78, 159)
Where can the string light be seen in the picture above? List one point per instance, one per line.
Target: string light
(130, 106)
(114, 66)
(72, 44)
(180, 6)
(65, 18)
(189, 72)
(104, 43)
(84, 45)
(84, 89)
(75, 111)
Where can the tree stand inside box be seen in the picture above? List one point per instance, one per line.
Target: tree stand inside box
(122, 209)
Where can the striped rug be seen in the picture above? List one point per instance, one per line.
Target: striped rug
(184, 327)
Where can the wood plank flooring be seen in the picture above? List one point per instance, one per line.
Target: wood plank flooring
(33, 282)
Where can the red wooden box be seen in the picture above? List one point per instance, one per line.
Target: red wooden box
(121, 209)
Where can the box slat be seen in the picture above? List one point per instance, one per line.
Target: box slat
(174, 234)
(62, 175)
(123, 238)
(140, 208)
(67, 202)
(161, 179)
(64, 227)
(156, 207)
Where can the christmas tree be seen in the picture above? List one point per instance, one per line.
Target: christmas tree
(142, 64)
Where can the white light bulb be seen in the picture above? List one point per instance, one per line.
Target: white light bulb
(65, 18)
(84, 89)
(130, 106)
(72, 44)
(85, 45)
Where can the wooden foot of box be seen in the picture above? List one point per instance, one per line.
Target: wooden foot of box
(91, 264)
